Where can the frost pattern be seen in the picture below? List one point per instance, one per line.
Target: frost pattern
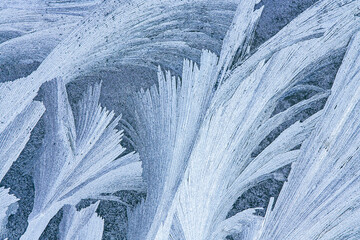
(134, 33)
(200, 136)
(13, 137)
(167, 122)
(8, 205)
(79, 160)
(80, 225)
(221, 166)
(321, 198)
(39, 25)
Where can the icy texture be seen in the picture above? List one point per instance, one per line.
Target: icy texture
(8, 206)
(13, 137)
(333, 22)
(123, 33)
(37, 24)
(78, 159)
(81, 225)
(167, 121)
(245, 222)
(132, 33)
(321, 198)
(202, 138)
(221, 166)
(138, 33)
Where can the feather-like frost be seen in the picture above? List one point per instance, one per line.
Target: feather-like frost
(249, 107)
(81, 225)
(16, 134)
(331, 21)
(221, 166)
(13, 137)
(15, 130)
(321, 198)
(167, 122)
(40, 25)
(79, 160)
(123, 33)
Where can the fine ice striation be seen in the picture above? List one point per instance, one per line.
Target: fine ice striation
(83, 224)
(79, 159)
(321, 198)
(199, 134)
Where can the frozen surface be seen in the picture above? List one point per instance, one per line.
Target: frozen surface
(41, 26)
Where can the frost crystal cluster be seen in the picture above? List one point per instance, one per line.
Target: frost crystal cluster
(222, 114)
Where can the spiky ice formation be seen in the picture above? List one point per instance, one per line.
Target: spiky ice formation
(79, 159)
(321, 198)
(81, 225)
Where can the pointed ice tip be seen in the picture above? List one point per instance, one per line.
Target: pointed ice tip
(93, 207)
(259, 11)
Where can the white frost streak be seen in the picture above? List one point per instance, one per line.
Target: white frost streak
(167, 121)
(40, 25)
(13, 137)
(221, 168)
(330, 20)
(244, 222)
(16, 134)
(117, 34)
(81, 225)
(78, 160)
(7, 206)
(321, 199)
(135, 33)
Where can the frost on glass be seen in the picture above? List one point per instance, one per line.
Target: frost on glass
(13, 137)
(167, 121)
(39, 25)
(81, 225)
(80, 159)
(120, 33)
(221, 165)
(8, 205)
(200, 136)
(321, 198)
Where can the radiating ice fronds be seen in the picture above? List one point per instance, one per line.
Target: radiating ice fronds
(16, 134)
(321, 199)
(81, 225)
(79, 160)
(118, 33)
(38, 25)
(7, 206)
(221, 166)
(140, 33)
(245, 223)
(330, 20)
(15, 129)
(167, 120)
